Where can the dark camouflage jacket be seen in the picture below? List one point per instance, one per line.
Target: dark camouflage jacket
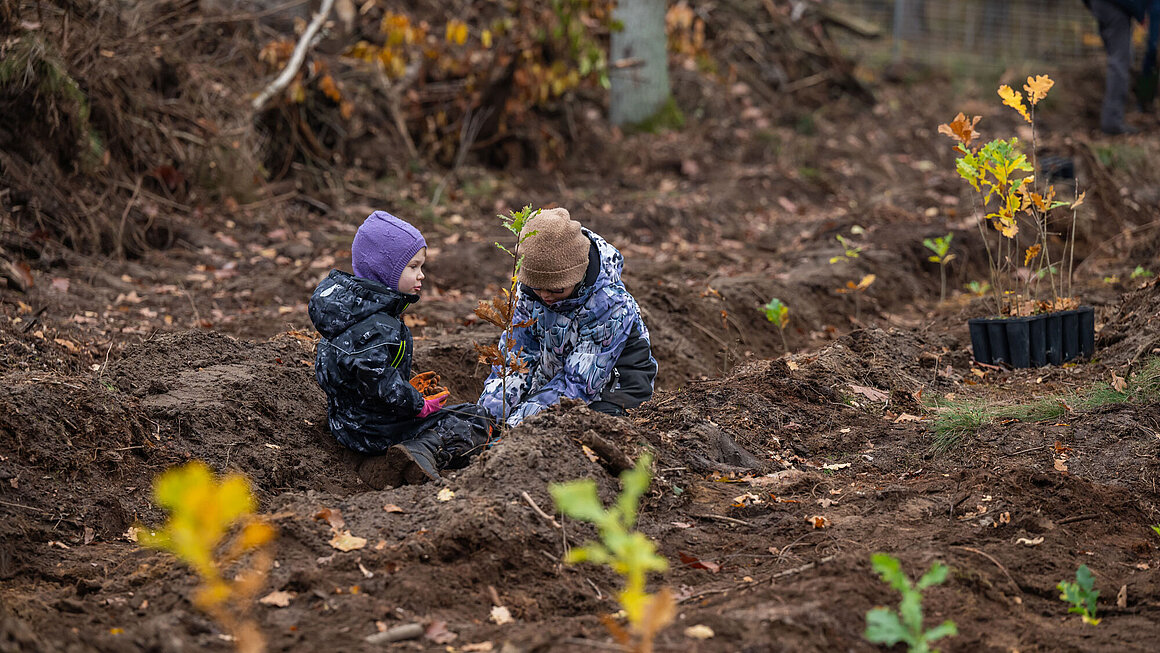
(364, 362)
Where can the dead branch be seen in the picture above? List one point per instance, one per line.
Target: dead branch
(296, 58)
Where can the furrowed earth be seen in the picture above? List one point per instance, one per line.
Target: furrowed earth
(776, 475)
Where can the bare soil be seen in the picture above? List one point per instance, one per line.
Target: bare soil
(114, 368)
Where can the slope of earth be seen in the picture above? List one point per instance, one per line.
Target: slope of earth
(774, 479)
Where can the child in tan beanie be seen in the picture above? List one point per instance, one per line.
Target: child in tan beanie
(585, 340)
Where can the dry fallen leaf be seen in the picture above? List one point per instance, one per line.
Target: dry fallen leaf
(907, 417)
(1119, 383)
(344, 541)
(1036, 542)
(693, 563)
(478, 647)
(437, 632)
(835, 466)
(500, 615)
(390, 507)
(873, 394)
(1122, 597)
(699, 632)
(445, 494)
(818, 521)
(590, 453)
(1060, 465)
(278, 599)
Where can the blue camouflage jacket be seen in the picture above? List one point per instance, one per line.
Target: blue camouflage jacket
(364, 362)
(592, 346)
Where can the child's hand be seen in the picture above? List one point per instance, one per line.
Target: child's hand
(433, 404)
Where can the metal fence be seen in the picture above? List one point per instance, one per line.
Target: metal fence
(985, 33)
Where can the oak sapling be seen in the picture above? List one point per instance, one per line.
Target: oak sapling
(1141, 273)
(857, 289)
(628, 552)
(213, 529)
(1010, 190)
(849, 250)
(886, 626)
(500, 309)
(941, 247)
(1081, 595)
(978, 288)
(777, 311)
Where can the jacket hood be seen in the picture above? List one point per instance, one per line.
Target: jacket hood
(343, 300)
(605, 265)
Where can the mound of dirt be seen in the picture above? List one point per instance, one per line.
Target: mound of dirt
(1130, 334)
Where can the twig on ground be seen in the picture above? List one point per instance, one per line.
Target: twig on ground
(532, 502)
(724, 519)
(798, 570)
(997, 564)
(106, 363)
(18, 505)
(1075, 518)
(296, 58)
(592, 643)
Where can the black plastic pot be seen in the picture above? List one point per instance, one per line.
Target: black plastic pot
(1047, 339)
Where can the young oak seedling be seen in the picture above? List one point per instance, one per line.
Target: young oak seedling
(202, 514)
(500, 310)
(628, 552)
(886, 626)
(1081, 595)
(857, 289)
(941, 247)
(777, 311)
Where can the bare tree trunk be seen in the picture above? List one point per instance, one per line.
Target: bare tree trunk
(638, 65)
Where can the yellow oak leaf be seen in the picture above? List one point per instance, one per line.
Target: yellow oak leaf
(1037, 87)
(1079, 200)
(1032, 252)
(1005, 224)
(1014, 100)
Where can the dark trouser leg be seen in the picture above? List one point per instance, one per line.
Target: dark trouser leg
(608, 408)
(1116, 33)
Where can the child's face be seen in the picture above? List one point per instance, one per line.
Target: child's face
(411, 281)
(552, 295)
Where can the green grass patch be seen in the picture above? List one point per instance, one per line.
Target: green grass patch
(957, 420)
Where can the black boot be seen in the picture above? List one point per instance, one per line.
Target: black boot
(418, 460)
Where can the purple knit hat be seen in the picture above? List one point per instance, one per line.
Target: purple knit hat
(382, 248)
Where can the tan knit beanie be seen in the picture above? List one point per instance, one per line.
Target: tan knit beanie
(556, 256)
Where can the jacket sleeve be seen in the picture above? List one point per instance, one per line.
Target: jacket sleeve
(494, 399)
(382, 386)
(588, 368)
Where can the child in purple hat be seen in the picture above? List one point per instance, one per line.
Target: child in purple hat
(364, 363)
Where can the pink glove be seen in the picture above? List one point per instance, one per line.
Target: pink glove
(433, 404)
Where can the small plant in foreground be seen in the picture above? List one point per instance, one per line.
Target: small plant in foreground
(628, 552)
(777, 311)
(1156, 528)
(202, 514)
(886, 626)
(500, 310)
(941, 247)
(1141, 273)
(1081, 595)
